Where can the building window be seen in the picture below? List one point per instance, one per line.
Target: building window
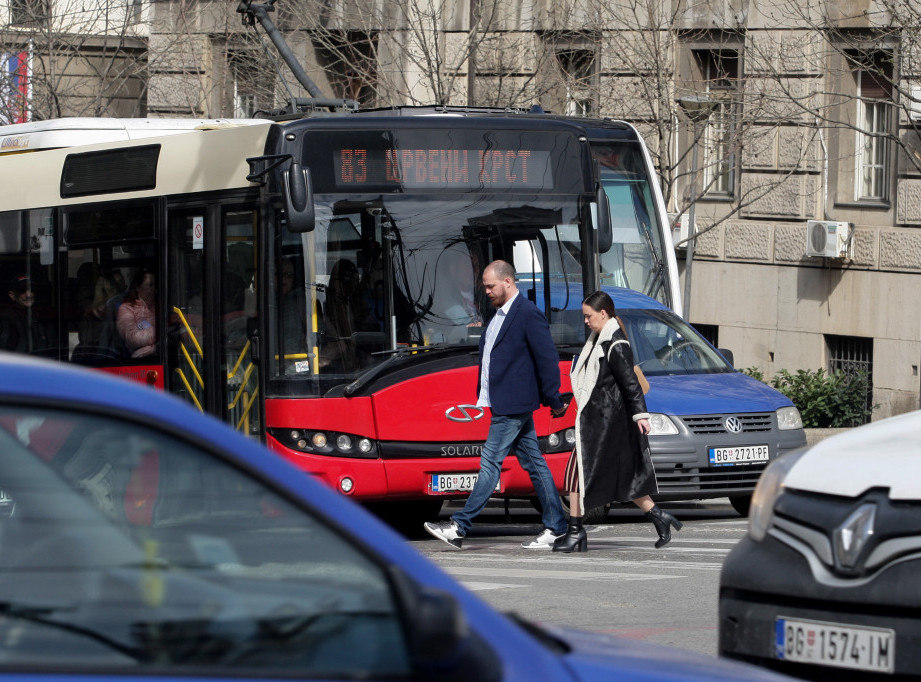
(248, 83)
(28, 12)
(578, 67)
(720, 72)
(853, 355)
(134, 11)
(873, 73)
(711, 332)
(349, 59)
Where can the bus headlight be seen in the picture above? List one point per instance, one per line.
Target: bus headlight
(326, 443)
(554, 440)
(789, 418)
(570, 436)
(662, 425)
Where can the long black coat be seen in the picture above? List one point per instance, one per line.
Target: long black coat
(614, 462)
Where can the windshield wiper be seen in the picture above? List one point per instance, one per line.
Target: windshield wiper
(41, 615)
(396, 355)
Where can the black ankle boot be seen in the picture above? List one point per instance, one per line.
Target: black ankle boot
(575, 539)
(662, 520)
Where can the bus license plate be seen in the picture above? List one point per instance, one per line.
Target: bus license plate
(743, 454)
(455, 483)
(841, 646)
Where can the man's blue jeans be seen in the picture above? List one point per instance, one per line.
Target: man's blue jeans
(506, 433)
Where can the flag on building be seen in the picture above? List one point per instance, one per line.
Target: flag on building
(15, 85)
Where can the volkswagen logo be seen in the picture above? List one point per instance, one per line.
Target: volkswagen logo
(733, 425)
(464, 413)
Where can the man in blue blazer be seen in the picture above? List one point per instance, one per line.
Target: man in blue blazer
(519, 372)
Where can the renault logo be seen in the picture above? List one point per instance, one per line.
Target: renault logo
(733, 425)
(852, 535)
(464, 413)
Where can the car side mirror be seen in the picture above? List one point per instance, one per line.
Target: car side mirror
(727, 355)
(435, 621)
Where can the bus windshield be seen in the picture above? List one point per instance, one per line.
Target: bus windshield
(380, 274)
(636, 259)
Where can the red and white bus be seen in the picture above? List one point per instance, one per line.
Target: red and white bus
(317, 279)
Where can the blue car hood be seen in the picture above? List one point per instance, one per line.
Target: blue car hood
(712, 394)
(595, 655)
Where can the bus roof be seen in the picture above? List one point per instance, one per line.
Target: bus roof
(78, 131)
(208, 160)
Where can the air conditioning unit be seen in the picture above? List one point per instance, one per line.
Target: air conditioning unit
(680, 231)
(828, 239)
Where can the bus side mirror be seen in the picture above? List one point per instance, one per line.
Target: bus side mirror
(298, 198)
(727, 355)
(604, 230)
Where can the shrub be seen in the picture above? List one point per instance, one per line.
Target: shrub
(825, 400)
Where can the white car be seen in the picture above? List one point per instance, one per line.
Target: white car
(826, 583)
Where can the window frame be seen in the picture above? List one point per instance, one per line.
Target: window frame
(873, 127)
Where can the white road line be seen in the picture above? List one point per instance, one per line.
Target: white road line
(476, 586)
(495, 572)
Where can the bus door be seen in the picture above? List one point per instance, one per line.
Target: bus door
(211, 300)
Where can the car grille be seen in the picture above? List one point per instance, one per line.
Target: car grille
(709, 478)
(710, 424)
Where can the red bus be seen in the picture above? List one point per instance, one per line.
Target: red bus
(316, 282)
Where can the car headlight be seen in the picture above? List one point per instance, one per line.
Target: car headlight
(662, 425)
(789, 418)
(769, 488)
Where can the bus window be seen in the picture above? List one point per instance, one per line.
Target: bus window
(28, 307)
(110, 263)
(636, 259)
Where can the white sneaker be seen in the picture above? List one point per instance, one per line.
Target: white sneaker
(446, 531)
(544, 540)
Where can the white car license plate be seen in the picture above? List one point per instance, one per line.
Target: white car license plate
(842, 646)
(455, 483)
(743, 454)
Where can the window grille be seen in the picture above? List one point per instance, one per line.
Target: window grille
(852, 355)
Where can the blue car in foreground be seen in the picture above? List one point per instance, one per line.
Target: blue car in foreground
(140, 539)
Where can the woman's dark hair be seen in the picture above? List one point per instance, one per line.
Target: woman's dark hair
(599, 301)
(136, 282)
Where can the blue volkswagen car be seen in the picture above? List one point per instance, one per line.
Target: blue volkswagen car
(140, 539)
(714, 429)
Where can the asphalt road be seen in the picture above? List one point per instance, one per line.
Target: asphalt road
(622, 585)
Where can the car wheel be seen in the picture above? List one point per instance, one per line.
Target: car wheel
(741, 503)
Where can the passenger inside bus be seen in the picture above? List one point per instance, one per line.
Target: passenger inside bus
(455, 297)
(95, 287)
(136, 319)
(24, 326)
(345, 312)
(292, 307)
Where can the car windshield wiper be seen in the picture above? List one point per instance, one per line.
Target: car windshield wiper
(42, 615)
(396, 355)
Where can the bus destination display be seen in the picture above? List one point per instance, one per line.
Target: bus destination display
(507, 169)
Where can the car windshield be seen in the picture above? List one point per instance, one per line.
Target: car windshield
(123, 547)
(663, 344)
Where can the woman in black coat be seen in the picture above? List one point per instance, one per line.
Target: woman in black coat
(610, 462)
